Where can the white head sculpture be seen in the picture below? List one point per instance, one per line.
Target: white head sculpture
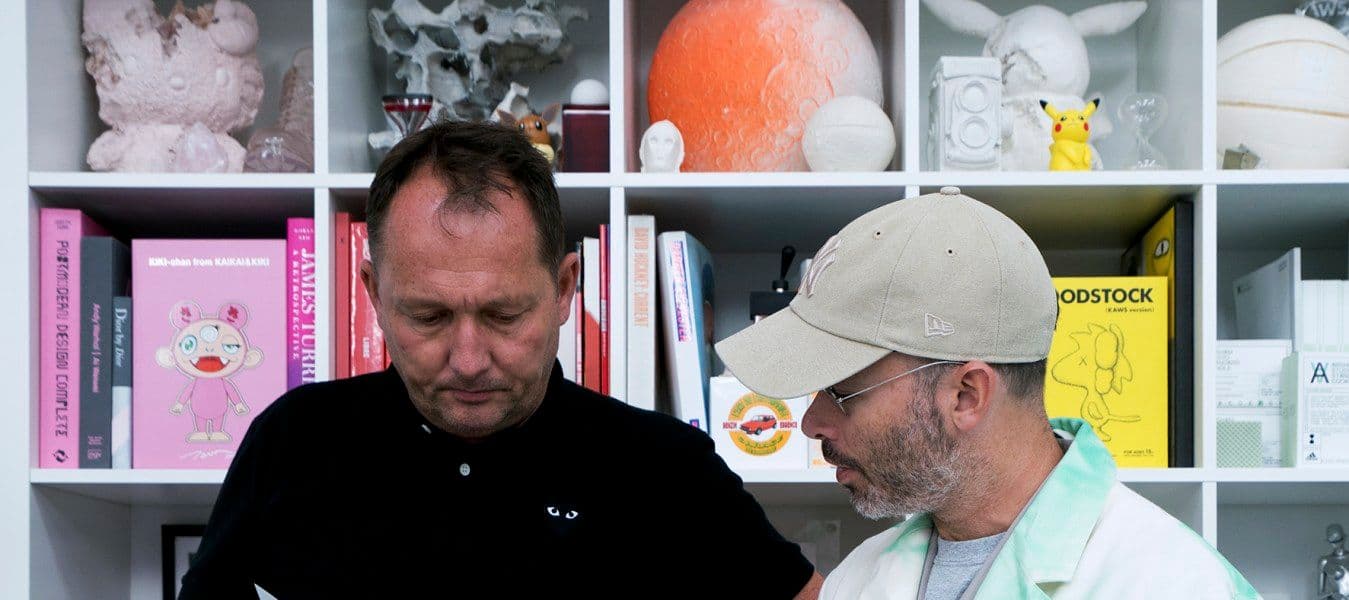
(662, 148)
(1041, 49)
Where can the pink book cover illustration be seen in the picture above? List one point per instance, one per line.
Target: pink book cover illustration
(59, 233)
(210, 339)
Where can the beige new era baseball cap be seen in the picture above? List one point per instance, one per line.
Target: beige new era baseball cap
(940, 276)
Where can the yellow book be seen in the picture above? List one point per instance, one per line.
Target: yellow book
(1108, 363)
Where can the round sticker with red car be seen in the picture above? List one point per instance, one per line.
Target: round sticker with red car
(759, 425)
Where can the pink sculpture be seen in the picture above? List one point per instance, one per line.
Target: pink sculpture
(159, 78)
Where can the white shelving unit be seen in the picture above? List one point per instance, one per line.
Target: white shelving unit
(94, 534)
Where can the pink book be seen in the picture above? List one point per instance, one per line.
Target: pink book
(301, 287)
(210, 340)
(59, 233)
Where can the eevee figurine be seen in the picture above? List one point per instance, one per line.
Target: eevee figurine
(537, 128)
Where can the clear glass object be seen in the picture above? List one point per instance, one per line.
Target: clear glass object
(288, 145)
(1142, 115)
(407, 113)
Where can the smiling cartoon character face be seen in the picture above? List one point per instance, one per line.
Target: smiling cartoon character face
(209, 347)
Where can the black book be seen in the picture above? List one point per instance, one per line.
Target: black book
(1168, 248)
(104, 274)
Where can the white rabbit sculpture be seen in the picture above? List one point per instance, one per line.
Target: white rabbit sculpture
(1043, 57)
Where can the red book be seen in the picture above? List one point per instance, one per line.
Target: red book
(342, 293)
(367, 341)
(59, 234)
(604, 309)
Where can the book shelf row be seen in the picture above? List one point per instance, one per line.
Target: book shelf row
(616, 349)
(1171, 51)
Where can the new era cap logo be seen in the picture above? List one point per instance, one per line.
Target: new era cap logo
(823, 259)
(934, 326)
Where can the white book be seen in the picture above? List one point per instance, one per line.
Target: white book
(1321, 317)
(1315, 394)
(685, 299)
(1344, 315)
(751, 431)
(591, 272)
(1267, 299)
(1247, 385)
(1334, 316)
(566, 342)
(641, 321)
(1308, 307)
(121, 382)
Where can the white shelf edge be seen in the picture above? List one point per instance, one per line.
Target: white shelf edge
(1282, 177)
(565, 181)
(1161, 475)
(584, 180)
(85, 180)
(898, 179)
(761, 180)
(816, 475)
(126, 476)
(347, 181)
(884, 179)
(1060, 179)
(1282, 475)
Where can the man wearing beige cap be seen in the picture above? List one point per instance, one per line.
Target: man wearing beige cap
(926, 323)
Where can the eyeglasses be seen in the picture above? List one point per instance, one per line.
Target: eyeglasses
(838, 400)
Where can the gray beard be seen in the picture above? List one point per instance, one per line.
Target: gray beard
(914, 468)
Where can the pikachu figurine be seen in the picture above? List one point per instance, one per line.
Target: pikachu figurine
(1070, 151)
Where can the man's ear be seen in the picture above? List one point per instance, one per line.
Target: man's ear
(568, 277)
(975, 383)
(371, 286)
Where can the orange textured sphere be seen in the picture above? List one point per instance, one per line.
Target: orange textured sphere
(740, 78)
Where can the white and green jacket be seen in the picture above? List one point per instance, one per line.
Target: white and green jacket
(1084, 535)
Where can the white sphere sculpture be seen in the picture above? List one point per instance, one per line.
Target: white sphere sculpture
(849, 133)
